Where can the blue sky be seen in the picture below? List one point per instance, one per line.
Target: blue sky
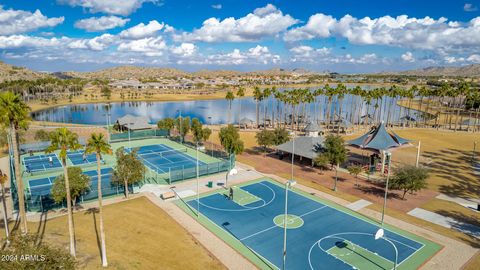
(343, 35)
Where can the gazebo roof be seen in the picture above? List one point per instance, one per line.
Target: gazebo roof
(312, 127)
(378, 139)
(246, 121)
(307, 147)
(134, 122)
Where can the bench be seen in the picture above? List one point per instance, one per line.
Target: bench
(168, 195)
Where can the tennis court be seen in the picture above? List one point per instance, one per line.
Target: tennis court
(162, 158)
(42, 187)
(79, 158)
(321, 235)
(41, 163)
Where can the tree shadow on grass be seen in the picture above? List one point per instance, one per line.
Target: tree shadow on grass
(454, 165)
(42, 224)
(466, 224)
(378, 192)
(93, 211)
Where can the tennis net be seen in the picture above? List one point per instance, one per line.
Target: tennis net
(152, 153)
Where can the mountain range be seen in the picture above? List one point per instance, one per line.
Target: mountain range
(10, 72)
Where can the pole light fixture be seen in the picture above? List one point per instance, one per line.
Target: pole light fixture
(289, 184)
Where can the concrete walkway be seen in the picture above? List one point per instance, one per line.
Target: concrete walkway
(446, 222)
(355, 206)
(469, 203)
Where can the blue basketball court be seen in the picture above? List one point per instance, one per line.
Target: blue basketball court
(162, 158)
(41, 163)
(320, 235)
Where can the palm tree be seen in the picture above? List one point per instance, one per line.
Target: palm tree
(257, 96)
(64, 140)
(98, 144)
(267, 92)
(341, 90)
(329, 93)
(240, 94)
(14, 115)
(318, 92)
(230, 97)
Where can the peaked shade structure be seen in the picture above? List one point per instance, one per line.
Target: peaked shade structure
(378, 139)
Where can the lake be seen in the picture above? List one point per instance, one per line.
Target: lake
(207, 111)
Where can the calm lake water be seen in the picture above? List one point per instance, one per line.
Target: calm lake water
(207, 111)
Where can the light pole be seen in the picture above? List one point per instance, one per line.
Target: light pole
(293, 152)
(380, 235)
(129, 143)
(198, 184)
(418, 154)
(181, 120)
(211, 144)
(107, 115)
(290, 183)
(389, 155)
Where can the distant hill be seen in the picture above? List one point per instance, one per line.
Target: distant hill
(10, 73)
(214, 73)
(131, 72)
(463, 71)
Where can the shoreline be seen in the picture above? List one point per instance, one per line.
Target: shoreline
(38, 106)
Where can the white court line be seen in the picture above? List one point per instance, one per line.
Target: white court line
(276, 226)
(245, 208)
(235, 238)
(318, 243)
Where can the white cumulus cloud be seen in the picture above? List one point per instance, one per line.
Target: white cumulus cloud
(142, 30)
(217, 6)
(263, 22)
(402, 31)
(256, 55)
(20, 21)
(305, 53)
(23, 41)
(96, 24)
(117, 7)
(185, 49)
(95, 44)
(152, 46)
(408, 57)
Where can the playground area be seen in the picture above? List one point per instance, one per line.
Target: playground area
(320, 234)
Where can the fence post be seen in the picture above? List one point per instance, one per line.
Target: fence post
(169, 175)
(41, 203)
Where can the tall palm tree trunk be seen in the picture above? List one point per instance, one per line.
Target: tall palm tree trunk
(18, 179)
(239, 112)
(100, 211)
(229, 112)
(257, 114)
(5, 218)
(69, 209)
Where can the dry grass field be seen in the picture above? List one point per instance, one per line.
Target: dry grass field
(139, 235)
